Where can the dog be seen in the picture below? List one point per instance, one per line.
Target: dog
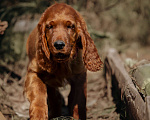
(60, 49)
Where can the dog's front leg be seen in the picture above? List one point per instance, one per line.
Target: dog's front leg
(54, 102)
(36, 93)
(77, 96)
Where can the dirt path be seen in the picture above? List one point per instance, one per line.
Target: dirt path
(98, 105)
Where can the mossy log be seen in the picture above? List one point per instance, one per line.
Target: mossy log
(141, 75)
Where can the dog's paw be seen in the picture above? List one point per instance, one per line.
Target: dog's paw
(38, 113)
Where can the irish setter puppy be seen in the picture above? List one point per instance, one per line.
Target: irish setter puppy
(60, 50)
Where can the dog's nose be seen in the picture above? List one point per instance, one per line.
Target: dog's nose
(59, 44)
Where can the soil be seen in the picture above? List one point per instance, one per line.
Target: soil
(100, 106)
(14, 106)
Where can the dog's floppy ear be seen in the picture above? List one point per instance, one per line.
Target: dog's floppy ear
(91, 58)
(42, 37)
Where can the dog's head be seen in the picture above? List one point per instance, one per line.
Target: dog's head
(63, 31)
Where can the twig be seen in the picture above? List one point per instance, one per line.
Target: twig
(8, 70)
(6, 78)
(111, 6)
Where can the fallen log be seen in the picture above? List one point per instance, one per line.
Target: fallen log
(115, 71)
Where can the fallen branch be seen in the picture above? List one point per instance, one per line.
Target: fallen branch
(10, 71)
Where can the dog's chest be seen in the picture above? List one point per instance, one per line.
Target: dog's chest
(56, 79)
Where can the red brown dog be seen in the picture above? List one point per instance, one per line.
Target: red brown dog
(60, 49)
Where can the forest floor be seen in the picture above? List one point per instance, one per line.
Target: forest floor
(100, 104)
(14, 106)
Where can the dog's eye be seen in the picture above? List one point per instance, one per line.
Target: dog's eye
(49, 26)
(70, 26)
